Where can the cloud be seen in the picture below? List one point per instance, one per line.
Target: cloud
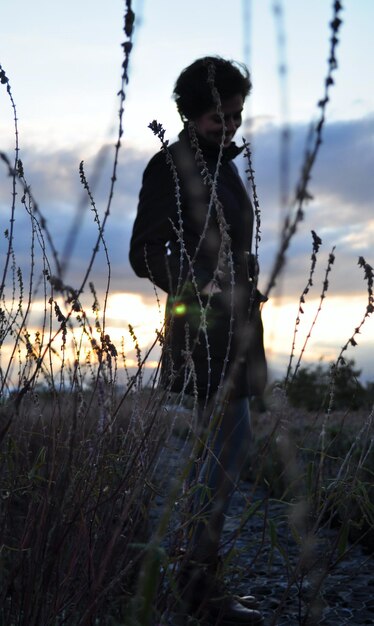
(341, 211)
(343, 166)
(64, 207)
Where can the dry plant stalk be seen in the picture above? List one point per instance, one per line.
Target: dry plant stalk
(81, 459)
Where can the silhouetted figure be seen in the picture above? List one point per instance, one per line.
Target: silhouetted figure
(192, 237)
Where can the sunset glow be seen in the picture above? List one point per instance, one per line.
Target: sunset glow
(65, 116)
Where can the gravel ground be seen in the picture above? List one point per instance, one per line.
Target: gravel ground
(263, 566)
(346, 595)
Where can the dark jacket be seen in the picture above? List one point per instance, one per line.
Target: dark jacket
(184, 236)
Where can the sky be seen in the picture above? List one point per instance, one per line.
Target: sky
(64, 61)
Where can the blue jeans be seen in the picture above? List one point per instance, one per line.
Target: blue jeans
(217, 473)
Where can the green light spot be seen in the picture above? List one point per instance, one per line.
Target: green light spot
(180, 309)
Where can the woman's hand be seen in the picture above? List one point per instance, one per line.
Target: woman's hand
(210, 289)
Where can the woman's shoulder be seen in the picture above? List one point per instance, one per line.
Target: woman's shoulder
(161, 164)
(157, 160)
(157, 169)
(160, 158)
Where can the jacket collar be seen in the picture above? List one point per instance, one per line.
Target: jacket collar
(211, 151)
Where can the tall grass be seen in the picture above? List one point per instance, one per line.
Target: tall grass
(94, 518)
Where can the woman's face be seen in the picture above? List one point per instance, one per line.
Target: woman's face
(209, 125)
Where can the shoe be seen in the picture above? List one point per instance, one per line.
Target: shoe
(204, 596)
(250, 602)
(228, 611)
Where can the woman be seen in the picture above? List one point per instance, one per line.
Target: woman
(192, 237)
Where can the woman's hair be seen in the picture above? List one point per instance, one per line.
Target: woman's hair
(193, 91)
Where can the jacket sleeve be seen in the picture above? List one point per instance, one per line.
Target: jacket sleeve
(153, 229)
(154, 247)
